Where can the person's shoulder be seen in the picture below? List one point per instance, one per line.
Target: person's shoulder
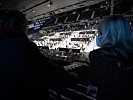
(14, 40)
(95, 52)
(23, 43)
(105, 53)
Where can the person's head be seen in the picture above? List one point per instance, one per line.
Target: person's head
(115, 32)
(12, 20)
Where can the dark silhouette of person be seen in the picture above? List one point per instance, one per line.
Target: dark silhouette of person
(111, 69)
(24, 72)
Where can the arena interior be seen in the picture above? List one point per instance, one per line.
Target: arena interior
(65, 31)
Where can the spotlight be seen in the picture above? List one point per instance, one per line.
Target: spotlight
(33, 11)
(74, 6)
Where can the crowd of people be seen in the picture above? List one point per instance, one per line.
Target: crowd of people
(26, 74)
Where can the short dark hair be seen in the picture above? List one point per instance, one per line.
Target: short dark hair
(12, 19)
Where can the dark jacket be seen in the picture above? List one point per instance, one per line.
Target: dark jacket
(113, 82)
(24, 71)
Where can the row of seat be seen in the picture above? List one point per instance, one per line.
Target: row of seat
(77, 91)
(79, 16)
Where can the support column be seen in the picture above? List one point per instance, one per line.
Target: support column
(112, 7)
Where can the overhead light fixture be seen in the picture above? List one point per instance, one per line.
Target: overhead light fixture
(87, 9)
(61, 10)
(57, 12)
(33, 11)
(74, 6)
(92, 0)
(50, 3)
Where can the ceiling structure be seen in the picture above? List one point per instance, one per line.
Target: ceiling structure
(42, 8)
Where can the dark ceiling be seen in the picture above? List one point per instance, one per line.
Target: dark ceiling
(34, 8)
